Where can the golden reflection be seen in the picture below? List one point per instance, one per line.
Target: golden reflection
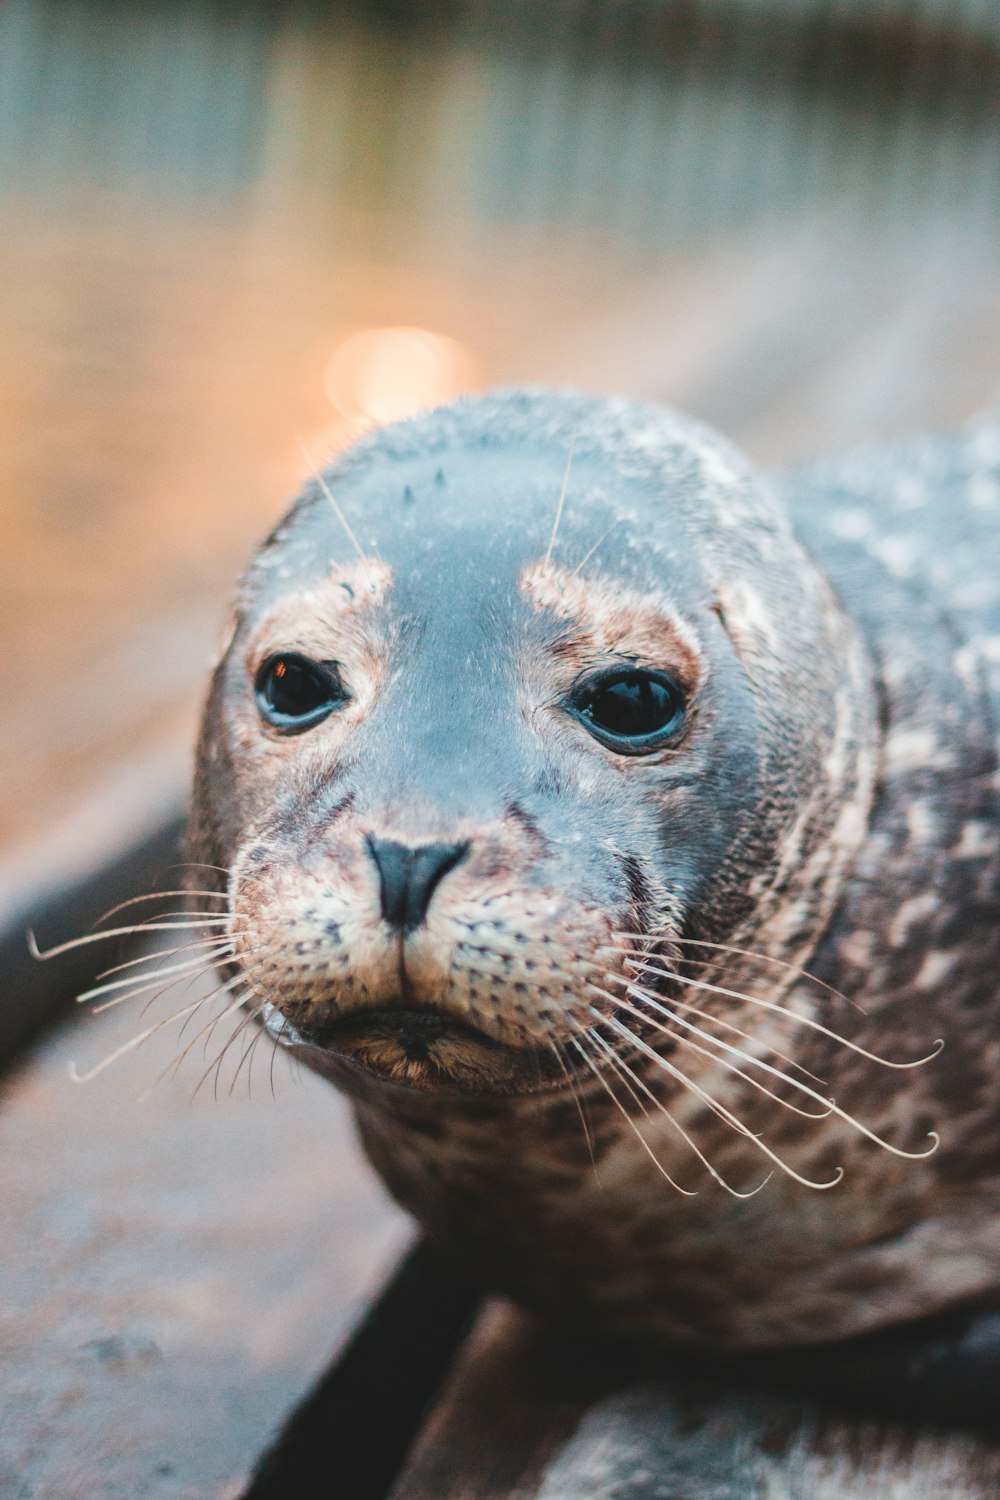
(384, 374)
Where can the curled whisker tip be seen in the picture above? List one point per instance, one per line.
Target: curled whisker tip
(835, 1180)
(917, 1062)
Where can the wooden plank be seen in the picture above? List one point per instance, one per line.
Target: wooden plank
(177, 1269)
(530, 1415)
(379, 1389)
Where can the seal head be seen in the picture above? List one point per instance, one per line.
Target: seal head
(522, 693)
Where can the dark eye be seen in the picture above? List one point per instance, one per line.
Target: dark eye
(630, 710)
(294, 693)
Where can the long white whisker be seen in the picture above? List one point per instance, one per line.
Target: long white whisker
(562, 498)
(662, 1108)
(696, 1010)
(159, 989)
(761, 958)
(320, 480)
(160, 896)
(841, 1114)
(155, 954)
(129, 1046)
(147, 981)
(685, 1136)
(714, 1105)
(685, 1041)
(687, 1192)
(248, 1051)
(110, 932)
(175, 1062)
(216, 1063)
(791, 1015)
(557, 1051)
(585, 559)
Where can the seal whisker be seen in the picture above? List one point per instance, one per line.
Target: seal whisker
(161, 896)
(215, 1066)
(204, 943)
(706, 1015)
(562, 497)
(587, 1135)
(258, 1038)
(717, 1108)
(662, 1109)
(138, 983)
(334, 506)
(685, 1041)
(687, 1192)
(792, 1015)
(834, 1109)
(631, 1082)
(830, 1105)
(712, 1056)
(206, 1031)
(585, 559)
(243, 976)
(137, 930)
(220, 989)
(200, 864)
(248, 1051)
(129, 1046)
(762, 958)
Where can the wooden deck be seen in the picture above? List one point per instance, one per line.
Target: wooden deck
(799, 259)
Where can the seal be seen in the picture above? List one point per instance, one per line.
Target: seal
(621, 832)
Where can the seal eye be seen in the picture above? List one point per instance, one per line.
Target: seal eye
(294, 693)
(630, 710)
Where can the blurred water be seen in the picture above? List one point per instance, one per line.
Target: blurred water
(781, 214)
(648, 120)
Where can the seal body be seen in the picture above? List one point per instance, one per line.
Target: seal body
(621, 832)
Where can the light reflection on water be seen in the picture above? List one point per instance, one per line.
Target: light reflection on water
(639, 118)
(200, 204)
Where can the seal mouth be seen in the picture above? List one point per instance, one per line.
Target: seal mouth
(416, 1032)
(426, 1049)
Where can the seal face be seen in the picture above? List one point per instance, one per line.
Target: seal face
(539, 762)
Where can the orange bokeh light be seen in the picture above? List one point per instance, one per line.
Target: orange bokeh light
(385, 374)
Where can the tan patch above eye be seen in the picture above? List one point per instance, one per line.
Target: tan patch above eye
(331, 619)
(606, 619)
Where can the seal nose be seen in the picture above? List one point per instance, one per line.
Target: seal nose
(409, 877)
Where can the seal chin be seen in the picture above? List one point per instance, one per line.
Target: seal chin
(424, 1049)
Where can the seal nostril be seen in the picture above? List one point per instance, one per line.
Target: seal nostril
(409, 877)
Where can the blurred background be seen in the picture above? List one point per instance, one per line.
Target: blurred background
(232, 233)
